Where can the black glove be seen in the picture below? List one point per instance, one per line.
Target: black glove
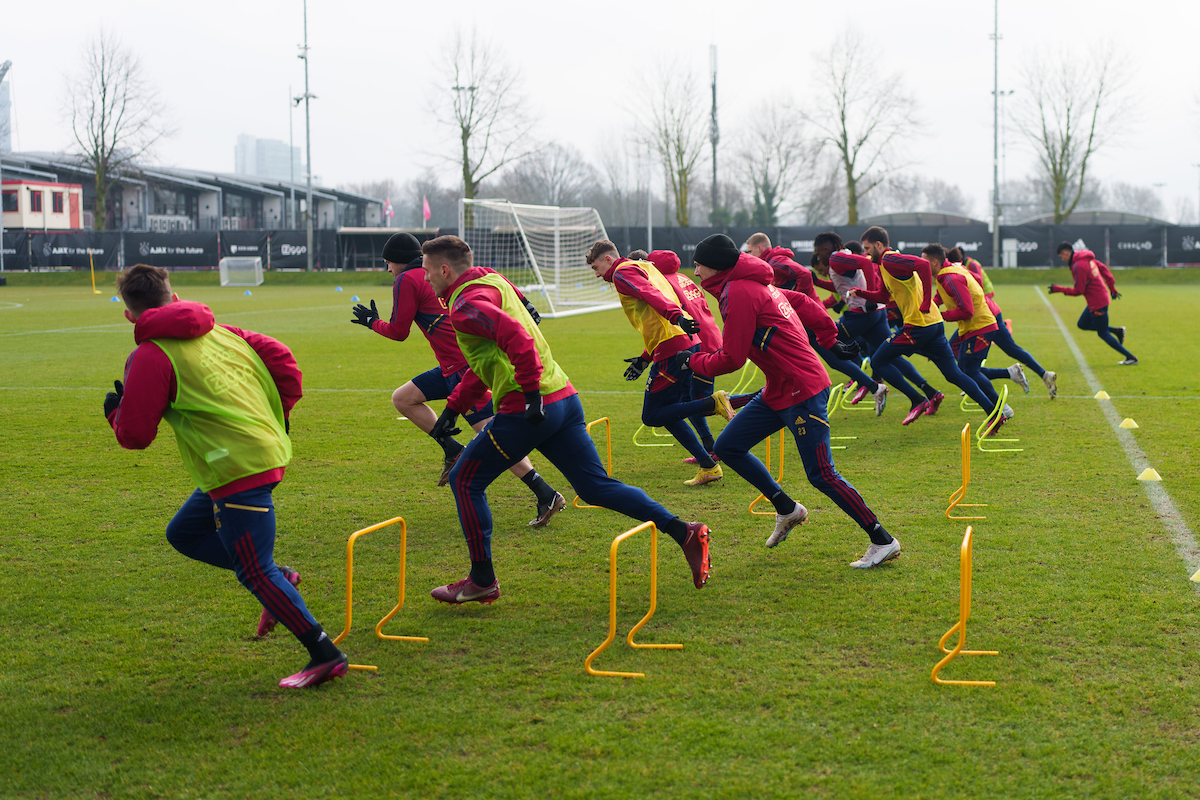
(838, 306)
(847, 351)
(535, 412)
(287, 426)
(1116, 295)
(636, 367)
(1052, 289)
(870, 308)
(533, 312)
(365, 316)
(113, 399)
(689, 325)
(444, 427)
(683, 361)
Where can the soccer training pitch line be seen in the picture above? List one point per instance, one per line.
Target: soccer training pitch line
(1160, 499)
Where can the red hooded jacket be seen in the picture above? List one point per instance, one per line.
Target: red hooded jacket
(766, 325)
(788, 272)
(690, 297)
(150, 384)
(1093, 280)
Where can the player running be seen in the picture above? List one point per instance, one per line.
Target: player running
(909, 281)
(413, 301)
(790, 274)
(1096, 283)
(1002, 338)
(537, 408)
(650, 305)
(227, 393)
(692, 301)
(767, 325)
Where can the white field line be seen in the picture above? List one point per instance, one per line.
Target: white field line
(126, 324)
(1164, 507)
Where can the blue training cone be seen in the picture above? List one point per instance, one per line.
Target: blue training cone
(246, 293)
(338, 289)
(354, 299)
(115, 299)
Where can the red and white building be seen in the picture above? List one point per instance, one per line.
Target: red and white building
(42, 205)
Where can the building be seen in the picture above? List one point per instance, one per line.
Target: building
(168, 199)
(267, 158)
(44, 205)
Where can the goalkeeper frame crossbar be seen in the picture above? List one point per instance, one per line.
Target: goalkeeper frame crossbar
(542, 250)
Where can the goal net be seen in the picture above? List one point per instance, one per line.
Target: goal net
(541, 249)
(241, 271)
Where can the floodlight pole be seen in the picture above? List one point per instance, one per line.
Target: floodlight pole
(996, 260)
(308, 212)
(4, 71)
(714, 133)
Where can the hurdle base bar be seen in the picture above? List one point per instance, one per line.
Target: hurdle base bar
(653, 433)
(612, 606)
(350, 588)
(989, 423)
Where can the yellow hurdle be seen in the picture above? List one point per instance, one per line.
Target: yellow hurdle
(612, 605)
(92, 267)
(749, 373)
(989, 423)
(608, 436)
(958, 494)
(964, 613)
(653, 432)
(767, 464)
(350, 587)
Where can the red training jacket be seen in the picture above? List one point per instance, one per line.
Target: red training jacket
(690, 297)
(150, 385)
(766, 325)
(632, 283)
(413, 300)
(1093, 280)
(477, 311)
(788, 272)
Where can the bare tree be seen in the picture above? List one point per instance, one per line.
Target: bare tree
(410, 205)
(555, 175)
(776, 158)
(1134, 199)
(676, 126)
(1072, 107)
(909, 192)
(481, 101)
(864, 117)
(116, 115)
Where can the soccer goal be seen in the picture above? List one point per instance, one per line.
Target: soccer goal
(241, 271)
(541, 249)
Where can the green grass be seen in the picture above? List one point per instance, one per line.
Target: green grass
(132, 672)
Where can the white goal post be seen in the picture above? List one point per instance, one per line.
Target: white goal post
(241, 271)
(542, 250)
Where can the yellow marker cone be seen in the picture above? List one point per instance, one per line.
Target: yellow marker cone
(1101, 395)
(1149, 474)
(1196, 577)
(1128, 424)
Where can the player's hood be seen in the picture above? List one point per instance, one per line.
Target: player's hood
(778, 252)
(747, 268)
(666, 261)
(1082, 255)
(182, 319)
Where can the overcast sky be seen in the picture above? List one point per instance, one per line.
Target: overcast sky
(225, 68)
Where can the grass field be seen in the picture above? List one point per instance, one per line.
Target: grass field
(132, 672)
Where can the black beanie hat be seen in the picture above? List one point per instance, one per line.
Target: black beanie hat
(402, 248)
(716, 252)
